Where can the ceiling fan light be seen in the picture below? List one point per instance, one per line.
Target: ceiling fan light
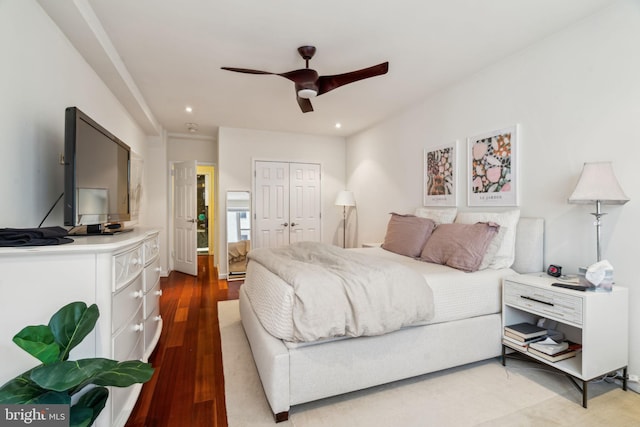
(307, 93)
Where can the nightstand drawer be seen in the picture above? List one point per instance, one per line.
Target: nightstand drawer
(545, 302)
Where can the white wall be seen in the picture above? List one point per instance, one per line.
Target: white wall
(190, 147)
(239, 148)
(156, 211)
(576, 96)
(41, 75)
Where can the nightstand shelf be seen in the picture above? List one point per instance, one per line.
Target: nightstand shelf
(596, 320)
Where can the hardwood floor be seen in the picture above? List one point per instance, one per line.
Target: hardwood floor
(187, 388)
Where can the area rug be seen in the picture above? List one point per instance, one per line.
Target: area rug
(478, 394)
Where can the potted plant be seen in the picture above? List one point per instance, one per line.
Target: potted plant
(57, 380)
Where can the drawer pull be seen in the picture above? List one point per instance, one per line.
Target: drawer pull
(138, 294)
(159, 293)
(536, 300)
(158, 269)
(138, 327)
(135, 261)
(157, 318)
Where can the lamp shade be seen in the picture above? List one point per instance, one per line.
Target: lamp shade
(598, 183)
(345, 198)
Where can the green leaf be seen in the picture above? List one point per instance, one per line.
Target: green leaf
(39, 342)
(75, 375)
(89, 406)
(20, 390)
(66, 375)
(71, 324)
(80, 417)
(124, 374)
(52, 398)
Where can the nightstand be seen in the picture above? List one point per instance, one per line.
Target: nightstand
(596, 320)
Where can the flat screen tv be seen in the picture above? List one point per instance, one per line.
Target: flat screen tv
(96, 187)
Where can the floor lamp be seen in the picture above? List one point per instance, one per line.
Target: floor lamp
(598, 184)
(345, 198)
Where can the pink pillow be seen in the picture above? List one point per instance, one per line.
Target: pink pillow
(407, 234)
(460, 246)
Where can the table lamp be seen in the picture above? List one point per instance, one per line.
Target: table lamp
(345, 198)
(598, 184)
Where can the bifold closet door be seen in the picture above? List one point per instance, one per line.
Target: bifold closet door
(304, 202)
(287, 203)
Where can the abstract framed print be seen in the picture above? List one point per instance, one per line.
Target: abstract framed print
(493, 168)
(440, 175)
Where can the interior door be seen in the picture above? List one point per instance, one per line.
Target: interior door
(184, 218)
(304, 202)
(272, 205)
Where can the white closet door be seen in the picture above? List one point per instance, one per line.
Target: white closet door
(271, 205)
(287, 203)
(304, 202)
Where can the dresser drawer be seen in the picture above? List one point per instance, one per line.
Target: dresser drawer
(151, 300)
(126, 302)
(545, 302)
(128, 343)
(151, 248)
(152, 326)
(127, 265)
(152, 274)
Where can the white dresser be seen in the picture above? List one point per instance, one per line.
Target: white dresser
(121, 274)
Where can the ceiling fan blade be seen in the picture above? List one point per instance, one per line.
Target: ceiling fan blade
(327, 83)
(305, 104)
(246, 70)
(304, 77)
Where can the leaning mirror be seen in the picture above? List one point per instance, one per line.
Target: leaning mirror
(238, 233)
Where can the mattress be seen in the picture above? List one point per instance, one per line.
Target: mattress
(457, 294)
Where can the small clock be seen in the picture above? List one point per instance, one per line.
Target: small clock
(554, 270)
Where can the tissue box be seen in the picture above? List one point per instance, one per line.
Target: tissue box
(604, 286)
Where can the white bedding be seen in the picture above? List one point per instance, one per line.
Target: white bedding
(456, 294)
(338, 293)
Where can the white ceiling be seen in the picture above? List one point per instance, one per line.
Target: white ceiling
(159, 56)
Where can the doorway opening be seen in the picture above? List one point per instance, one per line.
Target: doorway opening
(205, 210)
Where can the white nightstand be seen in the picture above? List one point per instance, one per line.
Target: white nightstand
(597, 320)
(372, 245)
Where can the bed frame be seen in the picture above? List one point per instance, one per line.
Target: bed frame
(291, 376)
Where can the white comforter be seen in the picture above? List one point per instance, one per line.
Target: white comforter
(341, 293)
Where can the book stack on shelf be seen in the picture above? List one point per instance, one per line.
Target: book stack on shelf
(554, 351)
(527, 337)
(523, 334)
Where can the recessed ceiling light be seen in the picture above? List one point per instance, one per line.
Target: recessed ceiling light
(338, 125)
(188, 109)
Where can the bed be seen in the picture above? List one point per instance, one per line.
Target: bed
(465, 327)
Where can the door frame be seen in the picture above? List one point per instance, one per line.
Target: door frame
(210, 170)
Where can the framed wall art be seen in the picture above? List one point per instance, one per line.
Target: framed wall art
(440, 175)
(493, 168)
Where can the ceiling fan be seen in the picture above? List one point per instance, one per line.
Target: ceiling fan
(309, 84)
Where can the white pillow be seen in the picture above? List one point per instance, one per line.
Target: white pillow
(439, 216)
(502, 250)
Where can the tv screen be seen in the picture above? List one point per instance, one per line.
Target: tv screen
(96, 189)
